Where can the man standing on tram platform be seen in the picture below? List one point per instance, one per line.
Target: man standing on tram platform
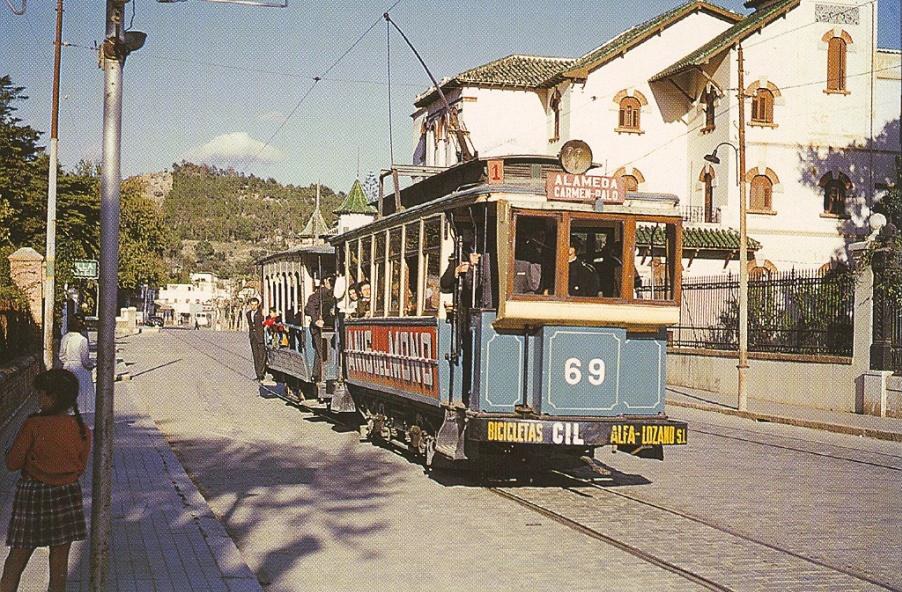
(321, 310)
(257, 337)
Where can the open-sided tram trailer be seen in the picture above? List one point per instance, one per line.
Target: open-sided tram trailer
(527, 372)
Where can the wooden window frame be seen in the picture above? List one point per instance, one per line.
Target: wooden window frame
(837, 65)
(767, 117)
(770, 195)
(627, 284)
(629, 115)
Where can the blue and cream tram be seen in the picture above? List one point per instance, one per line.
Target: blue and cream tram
(288, 280)
(506, 320)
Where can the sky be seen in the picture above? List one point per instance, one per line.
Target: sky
(216, 82)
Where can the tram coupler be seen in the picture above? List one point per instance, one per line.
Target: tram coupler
(341, 399)
(450, 439)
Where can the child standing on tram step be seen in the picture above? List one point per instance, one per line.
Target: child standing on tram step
(51, 449)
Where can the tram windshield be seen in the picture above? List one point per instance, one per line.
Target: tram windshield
(584, 256)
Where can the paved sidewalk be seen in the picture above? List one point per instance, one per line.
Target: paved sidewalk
(165, 537)
(883, 428)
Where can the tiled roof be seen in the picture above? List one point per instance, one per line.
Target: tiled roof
(527, 71)
(711, 239)
(635, 35)
(519, 71)
(730, 37)
(514, 71)
(355, 202)
(316, 225)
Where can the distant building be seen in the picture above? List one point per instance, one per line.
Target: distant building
(821, 112)
(179, 303)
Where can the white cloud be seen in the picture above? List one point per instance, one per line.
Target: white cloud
(273, 116)
(229, 148)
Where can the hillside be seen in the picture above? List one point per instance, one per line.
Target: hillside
(224, 219)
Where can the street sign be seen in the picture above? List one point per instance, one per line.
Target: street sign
(85, 269)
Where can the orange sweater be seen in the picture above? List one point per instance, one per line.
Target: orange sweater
(50, 449)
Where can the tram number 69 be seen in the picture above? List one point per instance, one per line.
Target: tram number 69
(573, 372)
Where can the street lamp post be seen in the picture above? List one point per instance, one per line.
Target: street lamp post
(742, 366)
(742, 392)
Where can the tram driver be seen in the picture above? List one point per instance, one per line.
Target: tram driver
(582, 277)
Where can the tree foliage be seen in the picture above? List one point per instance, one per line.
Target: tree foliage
(144, 240)
(212, 204)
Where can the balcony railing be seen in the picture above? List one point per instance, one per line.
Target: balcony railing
(698, 214)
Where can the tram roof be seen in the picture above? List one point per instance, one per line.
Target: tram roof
(320, 249)
(523, 186)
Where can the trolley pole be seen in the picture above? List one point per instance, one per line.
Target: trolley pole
(743, 251)
(50, 250)
(112, 56)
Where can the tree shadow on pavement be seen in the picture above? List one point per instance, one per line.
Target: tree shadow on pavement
(299, 507)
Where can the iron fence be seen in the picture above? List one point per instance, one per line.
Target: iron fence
(796, 312)
(19, 335)
(886, 351)
(699, 214)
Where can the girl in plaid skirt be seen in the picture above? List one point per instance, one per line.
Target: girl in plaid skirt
(51, 449)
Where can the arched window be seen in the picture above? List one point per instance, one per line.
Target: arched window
(763, 106)
(762, 193)
(630, 108)
(630, 183)
(836, 189)
(836, 64)
(630, 178)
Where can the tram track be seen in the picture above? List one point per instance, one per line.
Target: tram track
(560, 513)
(727, 530)
(614, 542)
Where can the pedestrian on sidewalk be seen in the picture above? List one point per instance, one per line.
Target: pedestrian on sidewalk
(75, 355)
(257, 336)
(51, 450)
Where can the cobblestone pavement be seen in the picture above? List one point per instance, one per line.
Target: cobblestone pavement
(311, 508)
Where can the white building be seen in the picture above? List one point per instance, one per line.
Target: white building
(186, 300)
(821, 111)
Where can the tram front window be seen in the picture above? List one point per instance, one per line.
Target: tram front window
(535, 255)
(595, 259)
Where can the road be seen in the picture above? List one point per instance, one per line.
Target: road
(745, 506)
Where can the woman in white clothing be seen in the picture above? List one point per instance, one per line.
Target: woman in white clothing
(75, 355)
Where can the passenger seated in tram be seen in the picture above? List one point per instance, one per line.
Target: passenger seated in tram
(610, 268)
(273, 327)
(534, 255)
(363, 290)
(582, 277)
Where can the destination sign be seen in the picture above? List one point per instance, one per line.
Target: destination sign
(401, 357)
(584, 188)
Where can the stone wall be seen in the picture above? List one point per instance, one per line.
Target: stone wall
(821, 382)
(15, 384)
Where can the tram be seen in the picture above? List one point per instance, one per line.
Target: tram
(288, 279)
(518, 314)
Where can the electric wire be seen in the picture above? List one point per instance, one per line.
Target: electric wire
(17, 11)
(309, 90)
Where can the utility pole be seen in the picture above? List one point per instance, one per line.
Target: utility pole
(50, 251)
(112, 58)
(743, 250)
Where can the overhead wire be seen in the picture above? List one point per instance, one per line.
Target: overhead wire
(316, 80)
(17, 11)
(285, 74)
